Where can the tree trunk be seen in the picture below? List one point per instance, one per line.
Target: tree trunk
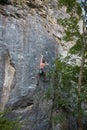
(80, 124)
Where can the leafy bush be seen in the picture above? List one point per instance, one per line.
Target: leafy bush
(6, 124)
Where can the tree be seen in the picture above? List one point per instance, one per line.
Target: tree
(72, 33)
(70, 80)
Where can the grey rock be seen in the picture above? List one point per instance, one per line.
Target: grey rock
(3, 56)
(23, 42)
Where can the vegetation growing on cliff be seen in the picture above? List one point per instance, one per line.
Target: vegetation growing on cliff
(6, 124)
(69, 92)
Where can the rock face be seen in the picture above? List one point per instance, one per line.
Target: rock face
(25, 34)
(26, 41)
(22, 42)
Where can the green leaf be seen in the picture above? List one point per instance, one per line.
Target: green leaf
(76, 49)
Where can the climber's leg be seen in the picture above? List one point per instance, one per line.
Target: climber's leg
(44, 76)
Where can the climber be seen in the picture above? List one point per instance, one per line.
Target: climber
(43, 63)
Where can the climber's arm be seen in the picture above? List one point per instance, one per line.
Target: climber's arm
(41, 60)
(46, 64)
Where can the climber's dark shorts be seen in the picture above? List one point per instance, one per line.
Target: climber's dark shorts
(41, 72)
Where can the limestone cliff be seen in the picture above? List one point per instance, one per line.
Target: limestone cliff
(26, 32)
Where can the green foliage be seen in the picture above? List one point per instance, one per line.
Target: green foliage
(77, 48)
(65, 92)
(71, 28)
(6, 124)
(66, 83)
(67, 3)
(72, 6)
(49, 93)
(65, 87)
(59, 118)
(78, 9)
